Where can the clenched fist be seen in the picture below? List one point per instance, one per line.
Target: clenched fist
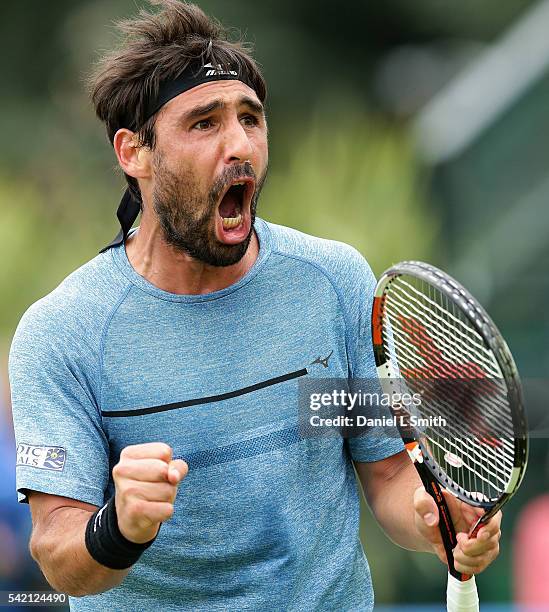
(146, 481)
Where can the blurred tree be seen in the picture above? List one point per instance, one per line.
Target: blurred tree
(349, 175)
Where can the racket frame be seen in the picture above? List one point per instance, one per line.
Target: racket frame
(431, 474)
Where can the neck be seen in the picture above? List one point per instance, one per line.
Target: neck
(170, 270)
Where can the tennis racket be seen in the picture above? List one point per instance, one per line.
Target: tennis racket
(432, 337)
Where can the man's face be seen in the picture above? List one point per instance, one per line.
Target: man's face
(209, 165)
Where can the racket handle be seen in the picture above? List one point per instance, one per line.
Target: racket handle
(461, 596)
(445, 525)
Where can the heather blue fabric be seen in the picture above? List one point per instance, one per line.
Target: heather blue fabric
(265, 519)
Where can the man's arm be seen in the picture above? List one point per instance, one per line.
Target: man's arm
(146, 481)
(409, 515)
(57, 545)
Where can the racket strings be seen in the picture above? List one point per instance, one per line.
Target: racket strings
(437, 351)
(462, 330)
(473, 456)
(482, 450)
(451, 337)
(467, 331)
(481, 460)
(465, 464)
(435, 365)
(495, 417)
(445, 359)
(405, 351)
(430, 361)
(478, 470)
(451, 345)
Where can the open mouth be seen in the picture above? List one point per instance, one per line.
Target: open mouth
(234, 206)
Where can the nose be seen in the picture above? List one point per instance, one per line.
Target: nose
(237, 145)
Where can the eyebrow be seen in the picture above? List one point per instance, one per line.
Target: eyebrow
(254, 105)
(215, 105)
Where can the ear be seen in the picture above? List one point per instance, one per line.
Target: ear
(135, 160)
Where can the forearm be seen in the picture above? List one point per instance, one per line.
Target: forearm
(390, 495)
(60, 551)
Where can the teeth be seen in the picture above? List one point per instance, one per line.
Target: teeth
(239, 184)
(232, 222)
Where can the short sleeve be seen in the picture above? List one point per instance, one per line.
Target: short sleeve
(376, 443)
(62, 448)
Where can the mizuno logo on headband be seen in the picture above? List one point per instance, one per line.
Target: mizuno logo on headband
(218, 70)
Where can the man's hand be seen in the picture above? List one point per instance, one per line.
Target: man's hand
(471, 555)
(146, 481)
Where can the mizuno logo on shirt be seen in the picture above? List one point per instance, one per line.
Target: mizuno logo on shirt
(323, 361)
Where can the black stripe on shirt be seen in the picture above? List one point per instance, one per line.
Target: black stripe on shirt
(206, 400)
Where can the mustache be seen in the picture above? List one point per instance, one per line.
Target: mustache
(230, 174)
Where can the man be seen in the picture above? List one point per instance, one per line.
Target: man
(154, 391)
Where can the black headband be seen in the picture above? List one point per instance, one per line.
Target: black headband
(194, 75)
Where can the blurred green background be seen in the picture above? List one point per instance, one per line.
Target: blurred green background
(411, 130)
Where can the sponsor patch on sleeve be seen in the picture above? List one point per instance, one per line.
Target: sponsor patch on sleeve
(42, 457)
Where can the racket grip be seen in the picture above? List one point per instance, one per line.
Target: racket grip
(445, 525)
(462, 596)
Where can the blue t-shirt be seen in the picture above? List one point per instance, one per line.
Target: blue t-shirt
(266, 519)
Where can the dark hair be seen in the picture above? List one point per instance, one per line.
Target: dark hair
(156, 47)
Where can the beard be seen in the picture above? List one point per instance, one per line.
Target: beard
(187, 215)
